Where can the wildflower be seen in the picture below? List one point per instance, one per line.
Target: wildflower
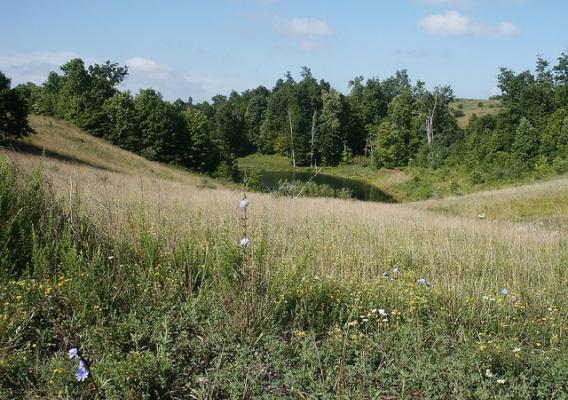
(423, 282)
(396, 270)
(501, 381)
(82, 372)
(301, 334)
(365, 319)
(73, 353)
(488, 373)
(485, 297)
(505, 291)
(245, 242)
(481, 216)
(244, 203)
(516, 349)
(382, 312)
(353, 323)
(110, 258)
(385, 274)
(202, 380)
(374, 310)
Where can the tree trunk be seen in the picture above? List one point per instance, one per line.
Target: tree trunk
(314, 118)
(430, 123)
(291, 137)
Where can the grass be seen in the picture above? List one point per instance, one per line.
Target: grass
(474, 106)
(68, 149)
(542, 204)
(144, 275)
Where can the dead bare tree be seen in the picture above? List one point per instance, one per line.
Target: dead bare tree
(430, 122)
(314, 119)
(291, 137)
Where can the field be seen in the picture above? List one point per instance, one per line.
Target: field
(474, 106)
(138, 265)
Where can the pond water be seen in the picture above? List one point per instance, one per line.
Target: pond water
(360, 190)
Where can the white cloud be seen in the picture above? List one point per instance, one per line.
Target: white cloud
(174, 83)
(302, 26)
(453, 23)
(146, 65)
(33, 67)
(142, 73)
(309, 30)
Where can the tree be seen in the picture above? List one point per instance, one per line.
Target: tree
(160, 127)
(526, 143)
(390, 148)
(254, 115)
(13, 111)
(554, 140)
(200, 154)
(561, 69)
(229, 127)
(331, 127)
(121, 123)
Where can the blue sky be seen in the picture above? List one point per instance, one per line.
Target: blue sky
(199, 49)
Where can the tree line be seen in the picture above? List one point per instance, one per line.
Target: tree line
(393, 122)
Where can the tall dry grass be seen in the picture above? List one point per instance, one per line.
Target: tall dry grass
(342, 239)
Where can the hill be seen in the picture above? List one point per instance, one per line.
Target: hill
(469, 107)
(140, 268)
(64, 148)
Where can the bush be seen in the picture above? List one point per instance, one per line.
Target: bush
(458, 113)
(560, 165)
(477, 177)
(310, 189)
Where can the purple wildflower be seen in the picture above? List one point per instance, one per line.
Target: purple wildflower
(73, 353)
(82, 372)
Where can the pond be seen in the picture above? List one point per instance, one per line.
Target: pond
(360, 190)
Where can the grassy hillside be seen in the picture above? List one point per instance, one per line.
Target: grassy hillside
(141, 269)
(474, 106)
(66, 150)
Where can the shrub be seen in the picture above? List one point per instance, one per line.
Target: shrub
(477, 177)
(458, 113)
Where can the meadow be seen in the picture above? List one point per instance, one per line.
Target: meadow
(139, 267)
(479, 107)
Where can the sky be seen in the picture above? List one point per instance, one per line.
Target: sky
(202, 48)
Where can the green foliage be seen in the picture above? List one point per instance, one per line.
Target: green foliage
(159, 126)
(24, 213)
(312, 124)
(526, 142)
(477, 177)
(121, 122)
(13, 111)
(331, 128)
(458, 113)
(310, 189)
(390, 148)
